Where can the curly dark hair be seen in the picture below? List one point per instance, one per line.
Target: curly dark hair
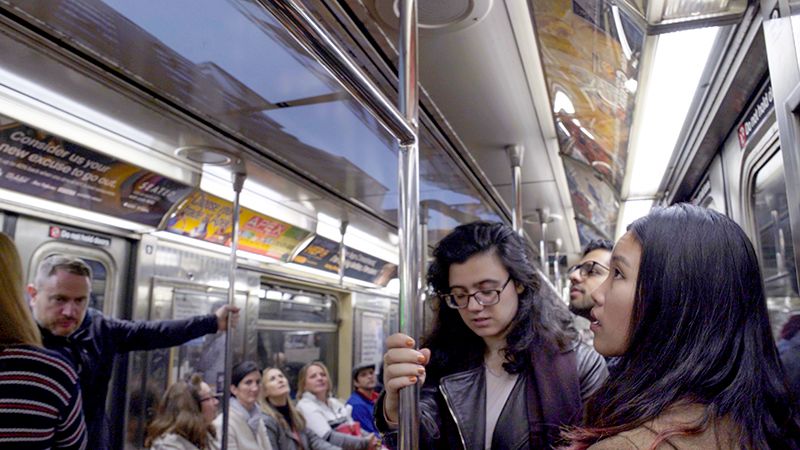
(541, 318)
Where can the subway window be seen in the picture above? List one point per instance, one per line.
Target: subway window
(774, 236)
(296, 327)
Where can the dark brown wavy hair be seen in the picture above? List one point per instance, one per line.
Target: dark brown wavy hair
(180, 412)
(542, 319)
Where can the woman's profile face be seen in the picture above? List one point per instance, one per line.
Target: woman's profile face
(208, 403)
(316, 381)
(275, 384)
(614, 298)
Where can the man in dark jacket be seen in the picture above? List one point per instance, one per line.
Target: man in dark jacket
(59, 301)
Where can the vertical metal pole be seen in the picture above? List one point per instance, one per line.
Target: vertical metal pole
(239, 176)
(515, 153)
(408, 220)
(342, 252)
(424, 316)
(543, 248)
(557, 267)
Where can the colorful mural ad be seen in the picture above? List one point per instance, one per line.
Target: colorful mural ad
(591, 54)
(206, 217)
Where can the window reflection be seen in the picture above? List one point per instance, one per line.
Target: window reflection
(771, 212)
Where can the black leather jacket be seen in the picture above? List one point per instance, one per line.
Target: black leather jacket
(545, 398)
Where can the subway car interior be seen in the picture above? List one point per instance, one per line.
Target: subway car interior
(125, 127)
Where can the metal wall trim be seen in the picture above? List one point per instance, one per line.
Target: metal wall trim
(288, 325)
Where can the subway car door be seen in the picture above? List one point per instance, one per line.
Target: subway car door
(109, 258)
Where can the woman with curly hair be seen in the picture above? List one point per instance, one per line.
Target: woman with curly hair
(502, 367)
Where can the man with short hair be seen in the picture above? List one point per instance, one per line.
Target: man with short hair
(59, 301)
(364, 396)
(587, 275)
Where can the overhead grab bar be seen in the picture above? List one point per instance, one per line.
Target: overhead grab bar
(307, 31)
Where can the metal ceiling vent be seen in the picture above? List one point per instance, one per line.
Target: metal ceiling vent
(438, 15)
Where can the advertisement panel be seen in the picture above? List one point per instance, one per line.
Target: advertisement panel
(36, 163)
(207, 217)
(323, 254)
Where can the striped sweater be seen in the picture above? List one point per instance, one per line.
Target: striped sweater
(40, 401)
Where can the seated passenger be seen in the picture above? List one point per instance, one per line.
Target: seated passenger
(504, 368)
(184, 418)
(286, 427)
(324, 413)
(684, 309)
(246, 430)
(363, 398)
(40, 396)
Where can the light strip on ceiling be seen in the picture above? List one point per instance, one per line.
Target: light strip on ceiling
(57, 209)
(677, 65)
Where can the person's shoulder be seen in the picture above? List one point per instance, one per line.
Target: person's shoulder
(334, 403)
(50, 362)
(172, 441)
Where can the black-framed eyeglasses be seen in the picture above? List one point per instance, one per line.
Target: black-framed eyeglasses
(589, 269)
(484, 297)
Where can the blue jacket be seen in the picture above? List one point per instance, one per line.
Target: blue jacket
(362, 411)
(99, 339)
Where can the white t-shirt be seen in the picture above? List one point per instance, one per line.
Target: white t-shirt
(498, 388)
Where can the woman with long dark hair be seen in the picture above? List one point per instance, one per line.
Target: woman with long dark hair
(683, 309)
(501, 367)
(184, 418)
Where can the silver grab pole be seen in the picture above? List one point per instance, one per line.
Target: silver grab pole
(543, 219)
(239, 176)
(515, 153)
(408, 215)
(342, 252)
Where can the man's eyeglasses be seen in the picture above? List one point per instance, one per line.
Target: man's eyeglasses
(589, 269)
(484, 297)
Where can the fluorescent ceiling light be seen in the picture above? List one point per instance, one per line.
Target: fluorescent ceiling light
(679, 61)
(629, 211)
(371, 245)
(329, 227)
(57, 209)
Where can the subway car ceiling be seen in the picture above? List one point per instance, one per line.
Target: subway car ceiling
(562, 79)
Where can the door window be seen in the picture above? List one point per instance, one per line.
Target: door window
(774, 241)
